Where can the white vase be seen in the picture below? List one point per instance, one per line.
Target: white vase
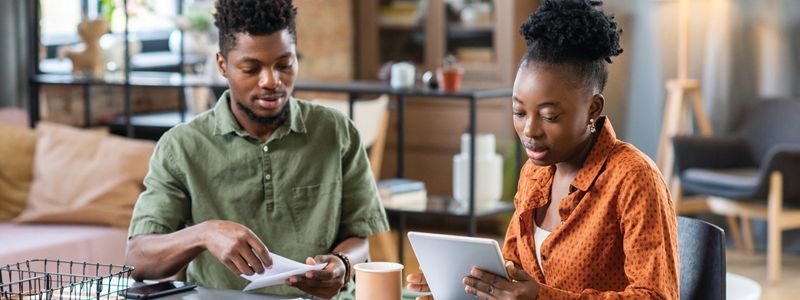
(488, 173)
(403, 75)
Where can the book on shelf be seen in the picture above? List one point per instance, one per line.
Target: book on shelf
(402, 193)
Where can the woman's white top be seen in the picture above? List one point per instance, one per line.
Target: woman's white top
(539, 235)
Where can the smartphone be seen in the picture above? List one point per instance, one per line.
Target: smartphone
(149, 291)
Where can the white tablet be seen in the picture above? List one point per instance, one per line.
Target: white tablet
(447, 259)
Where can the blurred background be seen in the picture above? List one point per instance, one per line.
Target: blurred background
(719, 60)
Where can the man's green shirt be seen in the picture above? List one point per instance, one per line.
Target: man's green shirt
(301, 192)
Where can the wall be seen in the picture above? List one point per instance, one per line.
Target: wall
(741, 51)
(325, 39)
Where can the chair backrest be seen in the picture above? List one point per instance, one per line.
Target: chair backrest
(372, 119)
(769, 123)
(701, 248)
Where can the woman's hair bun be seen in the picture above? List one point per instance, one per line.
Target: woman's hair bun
(571, 30)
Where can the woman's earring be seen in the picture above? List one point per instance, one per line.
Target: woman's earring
(591, 126)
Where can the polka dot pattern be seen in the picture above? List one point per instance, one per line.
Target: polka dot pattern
(618, 237)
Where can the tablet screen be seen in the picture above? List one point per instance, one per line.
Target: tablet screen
(447, 259)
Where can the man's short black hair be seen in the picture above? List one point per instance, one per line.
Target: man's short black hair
(255, 17)
(573, 33)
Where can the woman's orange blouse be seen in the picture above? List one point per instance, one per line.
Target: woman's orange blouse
(618, 234)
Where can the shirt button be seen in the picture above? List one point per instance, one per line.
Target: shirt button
(267, 177)
(266, 148)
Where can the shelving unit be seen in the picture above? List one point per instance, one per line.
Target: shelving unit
(434, 33)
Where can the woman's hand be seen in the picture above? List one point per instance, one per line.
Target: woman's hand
(417, 283)
(486, 285)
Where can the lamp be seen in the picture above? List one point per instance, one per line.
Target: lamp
(681, 92)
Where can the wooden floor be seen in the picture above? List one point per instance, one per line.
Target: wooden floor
(755, 267)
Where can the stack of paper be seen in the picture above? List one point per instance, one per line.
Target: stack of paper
(282, 269)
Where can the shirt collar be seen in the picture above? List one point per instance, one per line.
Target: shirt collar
(226, 121)
(603, 145)
(601, 149)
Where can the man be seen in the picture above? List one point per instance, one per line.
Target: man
(260, 173)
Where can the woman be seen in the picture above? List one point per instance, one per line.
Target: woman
(593, 215)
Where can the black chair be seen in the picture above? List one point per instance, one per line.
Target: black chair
(701, 248)
(752, 174)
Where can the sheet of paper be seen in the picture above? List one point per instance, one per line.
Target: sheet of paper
(282, 268)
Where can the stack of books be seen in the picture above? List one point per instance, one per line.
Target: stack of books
(402, 193)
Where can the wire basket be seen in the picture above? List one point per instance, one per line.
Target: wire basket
(56, 279)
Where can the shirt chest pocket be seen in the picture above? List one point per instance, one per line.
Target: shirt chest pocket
(316, 211)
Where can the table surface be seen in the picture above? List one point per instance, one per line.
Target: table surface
(204, 293)
(201, 293)
(739, 287)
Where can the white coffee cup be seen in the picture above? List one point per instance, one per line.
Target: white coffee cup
(379, 281)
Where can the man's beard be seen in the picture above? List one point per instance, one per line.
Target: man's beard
(274, 120)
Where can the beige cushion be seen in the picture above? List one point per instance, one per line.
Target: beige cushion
(85, 177)
(16, 169)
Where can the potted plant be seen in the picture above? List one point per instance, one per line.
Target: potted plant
(450, 74)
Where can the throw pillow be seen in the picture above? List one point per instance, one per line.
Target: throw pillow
(85, 177)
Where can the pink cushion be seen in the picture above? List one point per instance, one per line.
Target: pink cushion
(66, 242)
(14, 117)
(85, 177)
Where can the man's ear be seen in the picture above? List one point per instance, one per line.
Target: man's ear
(596, 106)
(221, 65)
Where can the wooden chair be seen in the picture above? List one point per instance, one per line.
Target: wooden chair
(751, 175)
(371, 118)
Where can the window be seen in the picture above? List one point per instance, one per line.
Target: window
(146, 16)
(59, 21)
(60, 18)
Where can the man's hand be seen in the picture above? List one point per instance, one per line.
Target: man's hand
(236, 246)
(485, 285)
(324, 283)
